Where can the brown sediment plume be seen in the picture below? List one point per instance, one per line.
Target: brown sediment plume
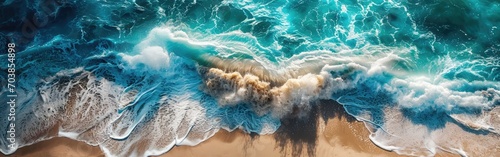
(232, 88)
(247, 67)
(276, 77)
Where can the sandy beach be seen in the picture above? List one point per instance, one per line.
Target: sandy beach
(348, 139)
(229, 144)
(336, 134)
(339, 136)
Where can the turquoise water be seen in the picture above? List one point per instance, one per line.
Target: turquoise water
(420, 74)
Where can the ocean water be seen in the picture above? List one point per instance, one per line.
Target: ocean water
(138, 77)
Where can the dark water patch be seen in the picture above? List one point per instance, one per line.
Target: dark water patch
(435, 117)
(53, 57)
(254, 135)
(300, 131)
(4, 41)
(229, 16)
(460, 22)
(367, 99)
(430, 117)
(290, 44)
(329, 109)
(449, 19)
(34, 22)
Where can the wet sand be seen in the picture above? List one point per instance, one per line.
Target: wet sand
(347, 139)
(339, 136)
(58, 147)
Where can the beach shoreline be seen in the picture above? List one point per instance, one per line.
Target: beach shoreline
(334, 133)
(336, 137)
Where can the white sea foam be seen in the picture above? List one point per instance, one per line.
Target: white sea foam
(154, 57)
